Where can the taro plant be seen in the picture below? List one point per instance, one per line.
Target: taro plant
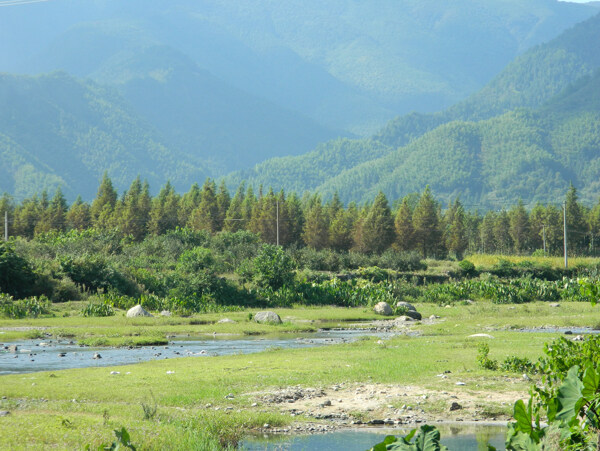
(426, 439)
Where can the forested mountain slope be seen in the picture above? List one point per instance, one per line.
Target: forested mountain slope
(348, 65)
(514, 154)
(56, 130)
(524, 154)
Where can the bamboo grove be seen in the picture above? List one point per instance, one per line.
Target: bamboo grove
(415, 223)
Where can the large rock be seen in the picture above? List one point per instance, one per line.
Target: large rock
(267, 317)
(411, 311)
(383, 308)
(138, 310)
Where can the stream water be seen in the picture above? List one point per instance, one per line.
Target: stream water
(456, 437)
(50, 355)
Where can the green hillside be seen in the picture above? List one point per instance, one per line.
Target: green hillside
(515, 153)
(56, 130)
(527, 154)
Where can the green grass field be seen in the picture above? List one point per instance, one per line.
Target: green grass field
(72, 408)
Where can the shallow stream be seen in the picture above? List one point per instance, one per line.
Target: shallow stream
(50, 355)
(456, 437)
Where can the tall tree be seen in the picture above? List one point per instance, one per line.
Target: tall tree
(164, 211)
(103, 205)
(206, 215)
(378, 226)
(426, 224)
(189, 202)
(316, 229)
(520, 228)
(403, 225)
(455, 235)
(486, 233)
(234, 218)
(502, 237)
(223, 201)
(576, 225)
(78, 217)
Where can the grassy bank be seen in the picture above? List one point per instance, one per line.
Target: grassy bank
(72, 408)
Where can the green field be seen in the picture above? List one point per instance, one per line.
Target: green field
(72, 408)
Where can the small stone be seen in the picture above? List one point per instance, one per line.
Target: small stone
(4, 413)
(254, 404)
(115, 372)
(554, 304)
(97, 356)
(266, 425)
(165, 313)
(62, 354)
(170, 372)
(568, 332)
(226, 321)
(455, 406)
(480, 336)
(460, 383)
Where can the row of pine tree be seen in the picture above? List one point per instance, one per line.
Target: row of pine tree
(416, 223)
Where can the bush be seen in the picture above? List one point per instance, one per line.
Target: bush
(25, 308)
(65, 290)
(99, 310)
(16, 275)
(196, 259)
(401, 261)
(273, 267)
(467, 268)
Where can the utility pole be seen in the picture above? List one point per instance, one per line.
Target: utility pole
(6, 225)
(278, 222)
(544, 234)
(565, 231)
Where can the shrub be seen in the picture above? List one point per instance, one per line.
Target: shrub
(99, 310)
(401, 261)
(273, 267)
(65, 290)
(467, 268)
(16, 275)
(196, 259)
(30, 307)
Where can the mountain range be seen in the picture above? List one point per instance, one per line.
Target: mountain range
(183, 90)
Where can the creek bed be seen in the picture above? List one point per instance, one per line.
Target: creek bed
(51, 355)
(457, 437)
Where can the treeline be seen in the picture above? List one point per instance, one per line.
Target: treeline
(415, 223)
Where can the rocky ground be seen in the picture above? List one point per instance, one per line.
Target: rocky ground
(342, 406)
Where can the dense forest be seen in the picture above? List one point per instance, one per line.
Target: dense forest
(527, 135)
(417, 222)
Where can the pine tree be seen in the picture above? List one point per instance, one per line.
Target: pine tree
(134, 210)
(53, 217)
(340, 231)
(79, 217)
(403, 225)
(223, 201)
(502, 238)
(189, 202)
(206, 215)
(164, 211)
(519, 227)
(27, 215)
(378, 226)
(316, 231)
(103, 205)
(295, 217)
(234, 219)
(486, 233)
(455, 232)
(426, 225)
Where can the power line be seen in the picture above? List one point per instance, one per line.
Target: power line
(20, 2)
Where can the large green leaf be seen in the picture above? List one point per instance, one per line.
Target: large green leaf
(523, 417)
(383, 445)
(570, 398)
(591, 380)
(522, 442)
